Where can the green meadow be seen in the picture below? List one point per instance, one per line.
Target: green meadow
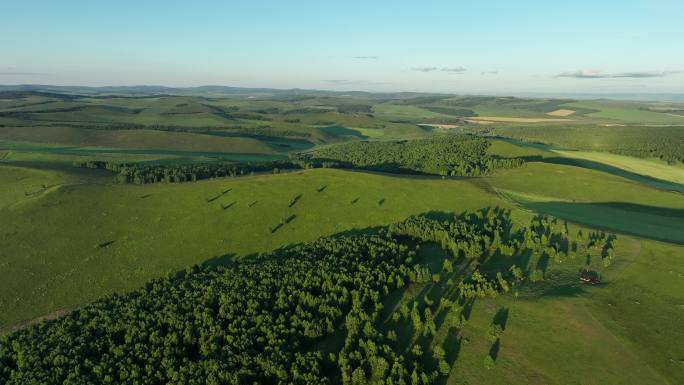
(100, 238)
(647, 167)
(626, 112)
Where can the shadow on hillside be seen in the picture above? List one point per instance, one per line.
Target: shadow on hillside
(221, 260)
(501, 317)
(588, 164)
(652, 222)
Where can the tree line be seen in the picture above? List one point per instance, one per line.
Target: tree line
(143, 173)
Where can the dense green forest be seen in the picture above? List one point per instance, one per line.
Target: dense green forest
(261, 321)
(455, 155)
(141, 173)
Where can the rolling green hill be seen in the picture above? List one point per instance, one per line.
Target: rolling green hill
(110, 263)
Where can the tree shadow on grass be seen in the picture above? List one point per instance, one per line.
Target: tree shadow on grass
(217, 196)
(543, 262)
(658, 223)
(389, 304)
(556, 284)
(221, 260)
(468, 308)
(373, 230)
(295, 200)
(441, 315)
(105, 244)
(494, 350)
(276, 227)
(501, 317)
(497, 262)
(226, 207)
(452, 346)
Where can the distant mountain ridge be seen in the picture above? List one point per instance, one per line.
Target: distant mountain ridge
(208, 90)
(225, 91)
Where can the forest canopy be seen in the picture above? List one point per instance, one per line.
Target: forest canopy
(454, 155)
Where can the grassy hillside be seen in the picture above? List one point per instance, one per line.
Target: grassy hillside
(134, 139)
(23, 185)
(627, 112)
(652, 168)
(96, 239)
(595, 199)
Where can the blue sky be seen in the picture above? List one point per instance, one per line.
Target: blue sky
(483, 46)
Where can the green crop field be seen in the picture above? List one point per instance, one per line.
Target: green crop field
(351, 240)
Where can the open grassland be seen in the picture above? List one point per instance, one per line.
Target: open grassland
(80, 242)
(647, 142)
(558, 320)
(20, 185)
(651, 172)
(566, 331)
(399, 112)
(55, 156)
(134, 139)
(595, 199)
(549, 340)
(509, 107)
(370, 133)
(644, 305)
(296, 117)
(652, 168)
(499, 119)
(626, 112)
(581, 185)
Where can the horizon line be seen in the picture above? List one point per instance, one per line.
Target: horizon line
(465, 93)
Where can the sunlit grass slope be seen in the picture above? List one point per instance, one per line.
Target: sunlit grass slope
(81, 241)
